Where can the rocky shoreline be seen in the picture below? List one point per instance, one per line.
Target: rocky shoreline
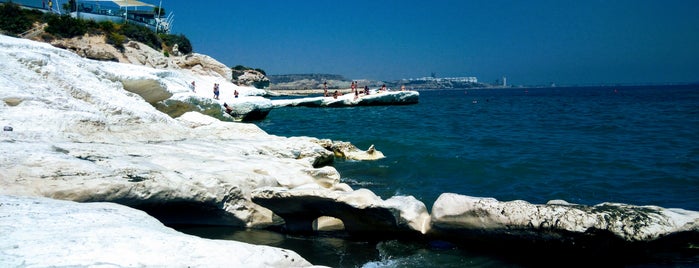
(87, 131)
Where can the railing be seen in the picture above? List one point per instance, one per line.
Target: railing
(34, 31)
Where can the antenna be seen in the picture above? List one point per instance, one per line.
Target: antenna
(157, 20)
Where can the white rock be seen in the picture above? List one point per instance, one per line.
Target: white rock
(382, 98)
(519, 218)
(40, 232)
(79, 134)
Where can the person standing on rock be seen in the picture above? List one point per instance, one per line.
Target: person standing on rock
(235, 93)
(325, 89)
(216, 92)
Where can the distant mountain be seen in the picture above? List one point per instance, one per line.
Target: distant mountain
(287, 78)
(336, 81)
(307, 81)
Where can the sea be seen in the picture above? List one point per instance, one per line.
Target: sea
(636, 145)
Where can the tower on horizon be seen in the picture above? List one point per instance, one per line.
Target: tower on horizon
(504, 81)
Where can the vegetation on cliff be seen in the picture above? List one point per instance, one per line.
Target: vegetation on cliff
(14, 21)
(17, 21)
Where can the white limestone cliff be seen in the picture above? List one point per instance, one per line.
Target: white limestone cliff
(487, 217)
(86, 131)
(42, 232)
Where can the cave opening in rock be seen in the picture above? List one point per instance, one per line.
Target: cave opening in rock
(328, 224)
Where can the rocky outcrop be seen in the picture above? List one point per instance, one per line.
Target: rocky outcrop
(203, 65)
(362, 212)
(95, 47)
(346, 100)
(42, 232)
(91, 47)
(92, 136)
(88, 137)
(561, 225)
(250, 108)
(307, 81)
(250, 78)
(347, 150)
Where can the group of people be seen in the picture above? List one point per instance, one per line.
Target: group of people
(355, 90)
(217, 93)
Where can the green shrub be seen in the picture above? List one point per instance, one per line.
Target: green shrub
(65, 26)
(13, 19)
(107, 26)
(183, 44)
(141, 34)
(237, 73)
(117, 40)
(240, 68)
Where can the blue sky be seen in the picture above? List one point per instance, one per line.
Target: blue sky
(529, 42)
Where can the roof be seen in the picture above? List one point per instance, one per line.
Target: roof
(127, 3)
(132, 3)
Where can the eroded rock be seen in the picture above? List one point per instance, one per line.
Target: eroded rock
(42, 232)
(362, 212)
(605, 225)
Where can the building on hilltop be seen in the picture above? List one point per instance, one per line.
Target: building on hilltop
(118, 11)
(465, 79)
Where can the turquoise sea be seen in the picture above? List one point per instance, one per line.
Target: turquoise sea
(586, 145)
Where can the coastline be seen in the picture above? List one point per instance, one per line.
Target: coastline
(96, 139)
(306, 92)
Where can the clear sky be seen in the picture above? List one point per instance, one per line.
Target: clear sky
(529, 42)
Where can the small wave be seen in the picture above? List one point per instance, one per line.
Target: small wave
(353, 182)
(384, 263)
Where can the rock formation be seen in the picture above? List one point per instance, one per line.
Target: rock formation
(382, 98)
(560, 225)
(42, 232)
(249, 78)
(87, 131)
(95, 47)
(361, 212)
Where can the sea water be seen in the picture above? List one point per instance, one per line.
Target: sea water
(585, 145)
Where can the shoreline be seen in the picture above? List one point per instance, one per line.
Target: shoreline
(306, 92)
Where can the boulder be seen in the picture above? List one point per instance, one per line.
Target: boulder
(349, 151)
(249, 78)
(250, 108)
(203, 65)
(487, 221)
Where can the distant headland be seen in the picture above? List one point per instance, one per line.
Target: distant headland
(335, 81)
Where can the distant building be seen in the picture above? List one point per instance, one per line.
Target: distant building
(465, 79)
(118, 11)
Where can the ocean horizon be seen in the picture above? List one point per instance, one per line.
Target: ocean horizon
(585, 145)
